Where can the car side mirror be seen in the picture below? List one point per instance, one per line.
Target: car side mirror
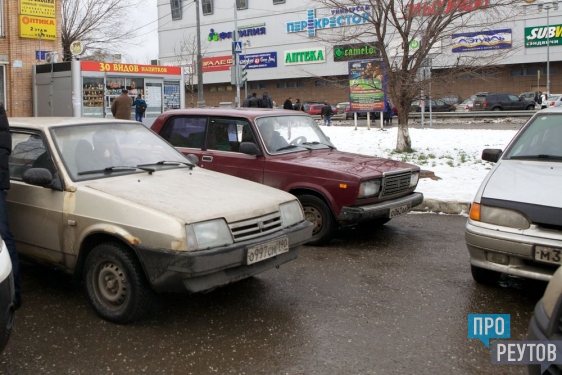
(249, 148)
(491, 154)
(193, 158)
(42, 177)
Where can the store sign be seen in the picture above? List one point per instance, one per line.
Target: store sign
(242, 33)
(482, 40)
(367, 83)
(38, 8)
(430, 8)
(94, 66)
(305, 56)
(539, 36)
(37, 27)
(395, 47)
(358, 17)
(217, 63)
(259, 60)
(357, 51)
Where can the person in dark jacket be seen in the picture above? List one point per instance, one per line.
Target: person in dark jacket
(288, 104)
(266, 101)
(5, 232)
(327, 113)
(298, 106)
(139, 104)
(121, 106)
(246, 102)
(253, 101)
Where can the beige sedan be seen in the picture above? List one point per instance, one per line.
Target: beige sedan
(113, 203)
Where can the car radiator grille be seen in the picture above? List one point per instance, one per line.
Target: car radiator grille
(256, 227)
(395, 183)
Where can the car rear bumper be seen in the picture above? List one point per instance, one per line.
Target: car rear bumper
(173, 271)
(354, 215)
(518, 251)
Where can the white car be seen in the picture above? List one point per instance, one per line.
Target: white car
(465, 106)
(6, 296)
(554, 100)
(515, 221)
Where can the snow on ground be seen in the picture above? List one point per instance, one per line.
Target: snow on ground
(452, 154)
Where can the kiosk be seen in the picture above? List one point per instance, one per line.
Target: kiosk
(87, 88)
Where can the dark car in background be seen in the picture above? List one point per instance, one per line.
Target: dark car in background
(288, 150)
(501, 102)
(436, 106)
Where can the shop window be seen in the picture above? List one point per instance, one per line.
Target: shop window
(207, 7)
(220, 88)
(300, 83)
(257, 86)
(281, 84)
(228, 88)
(175, 6)
(320, 83)
(212, 89)
(278, 2)
(241, 4)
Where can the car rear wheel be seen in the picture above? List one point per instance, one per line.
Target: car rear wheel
(496, 109)
(530, 108)
(484, 276)
(318, 213)
(116, 285)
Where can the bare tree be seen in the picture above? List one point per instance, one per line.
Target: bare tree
(392, 25)
(186, 57)
(102, 25)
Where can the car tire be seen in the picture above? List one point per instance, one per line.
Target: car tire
(530, 108)
(318, 213)
(484, 276)
(496, 109)
(116, 285)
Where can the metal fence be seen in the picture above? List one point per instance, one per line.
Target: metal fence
(474, 115)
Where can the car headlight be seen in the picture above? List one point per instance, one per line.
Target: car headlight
(291, 213)
(369, 188)
(414, 178)
(208, 234)
(499, 216)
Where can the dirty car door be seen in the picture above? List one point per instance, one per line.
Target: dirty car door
(34, 212)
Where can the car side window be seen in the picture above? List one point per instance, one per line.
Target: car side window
(513, 98)
(227, 134)
(186, 132)
(440, 102)
(28, 151)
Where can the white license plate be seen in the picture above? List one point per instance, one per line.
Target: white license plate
(267, 250)
(400, 210)
(548, 254)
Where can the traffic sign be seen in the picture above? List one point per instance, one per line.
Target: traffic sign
(237, 47)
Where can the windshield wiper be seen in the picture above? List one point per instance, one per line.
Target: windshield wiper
(169, 162)
(317, 143)
(288, 147)
(122, 168)
(538, 156)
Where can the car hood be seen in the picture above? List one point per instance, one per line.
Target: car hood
(194, 195)
(529, 182)
(339, 162)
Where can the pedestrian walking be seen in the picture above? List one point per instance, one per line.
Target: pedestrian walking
(298, 106)
(253, 101)
(288, 104)
(327, 113)
(121, 106)
(140, 108)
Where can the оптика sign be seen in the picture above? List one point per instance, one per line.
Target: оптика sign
(537, 36)
(357, 51)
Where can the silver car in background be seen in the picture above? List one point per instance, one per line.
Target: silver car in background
(465, 106)
(554, 100)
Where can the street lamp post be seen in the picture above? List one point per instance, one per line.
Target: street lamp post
(548, 5)
(200, 99)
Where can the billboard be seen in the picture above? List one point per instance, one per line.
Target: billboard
(357, 51)
(540, 36)
(367, 85)
(259, 60)
(482, 40)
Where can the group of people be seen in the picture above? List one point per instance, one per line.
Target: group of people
(253, 101)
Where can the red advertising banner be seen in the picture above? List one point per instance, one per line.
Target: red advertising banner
(94, 66)
(217, 63)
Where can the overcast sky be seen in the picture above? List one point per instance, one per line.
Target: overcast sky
(146, 17)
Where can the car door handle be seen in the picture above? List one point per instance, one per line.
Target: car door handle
(207, 158)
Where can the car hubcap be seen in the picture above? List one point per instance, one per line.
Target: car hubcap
(313, 215)
(112, 284)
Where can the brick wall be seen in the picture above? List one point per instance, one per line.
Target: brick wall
(19, 81)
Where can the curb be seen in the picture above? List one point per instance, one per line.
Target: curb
(445, 207)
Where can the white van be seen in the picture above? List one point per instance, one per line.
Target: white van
(515, 223)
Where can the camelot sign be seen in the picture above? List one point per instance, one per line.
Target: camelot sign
(356, 51)
(305, 56)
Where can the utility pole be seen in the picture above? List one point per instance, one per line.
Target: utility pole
(236, 57)
(200, 99)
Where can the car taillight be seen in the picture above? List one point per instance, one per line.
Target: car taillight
(552, 104)
(484, 103)
(467, 107)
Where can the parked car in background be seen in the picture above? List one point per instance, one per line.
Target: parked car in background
(473, 96)
(316, 109)
(529, 95)
(288, 150)
(515, 221)
(545, 322)
(344, 107)
(436, 106)
(465, 106)
(554, 100)
(453, 100)
(111, 202)
(501, 102)
(7, 292)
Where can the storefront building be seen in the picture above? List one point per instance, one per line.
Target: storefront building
(28, 35)
(290, 50)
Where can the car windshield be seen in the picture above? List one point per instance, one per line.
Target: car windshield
(97, 151)
(540, 139)
(282, 134)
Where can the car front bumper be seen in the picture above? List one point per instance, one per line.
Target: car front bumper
(354, 215)
(518, 248)
(198, 271)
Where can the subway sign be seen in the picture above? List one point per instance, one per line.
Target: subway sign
(358, 51)
(305, 56)
(539, 36)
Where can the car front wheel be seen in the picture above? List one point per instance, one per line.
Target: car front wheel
(116, 285)
(530, 108)
(318, 213)
(484, 276)
(496, 109)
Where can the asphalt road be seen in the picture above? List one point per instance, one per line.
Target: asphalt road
(387, 301)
